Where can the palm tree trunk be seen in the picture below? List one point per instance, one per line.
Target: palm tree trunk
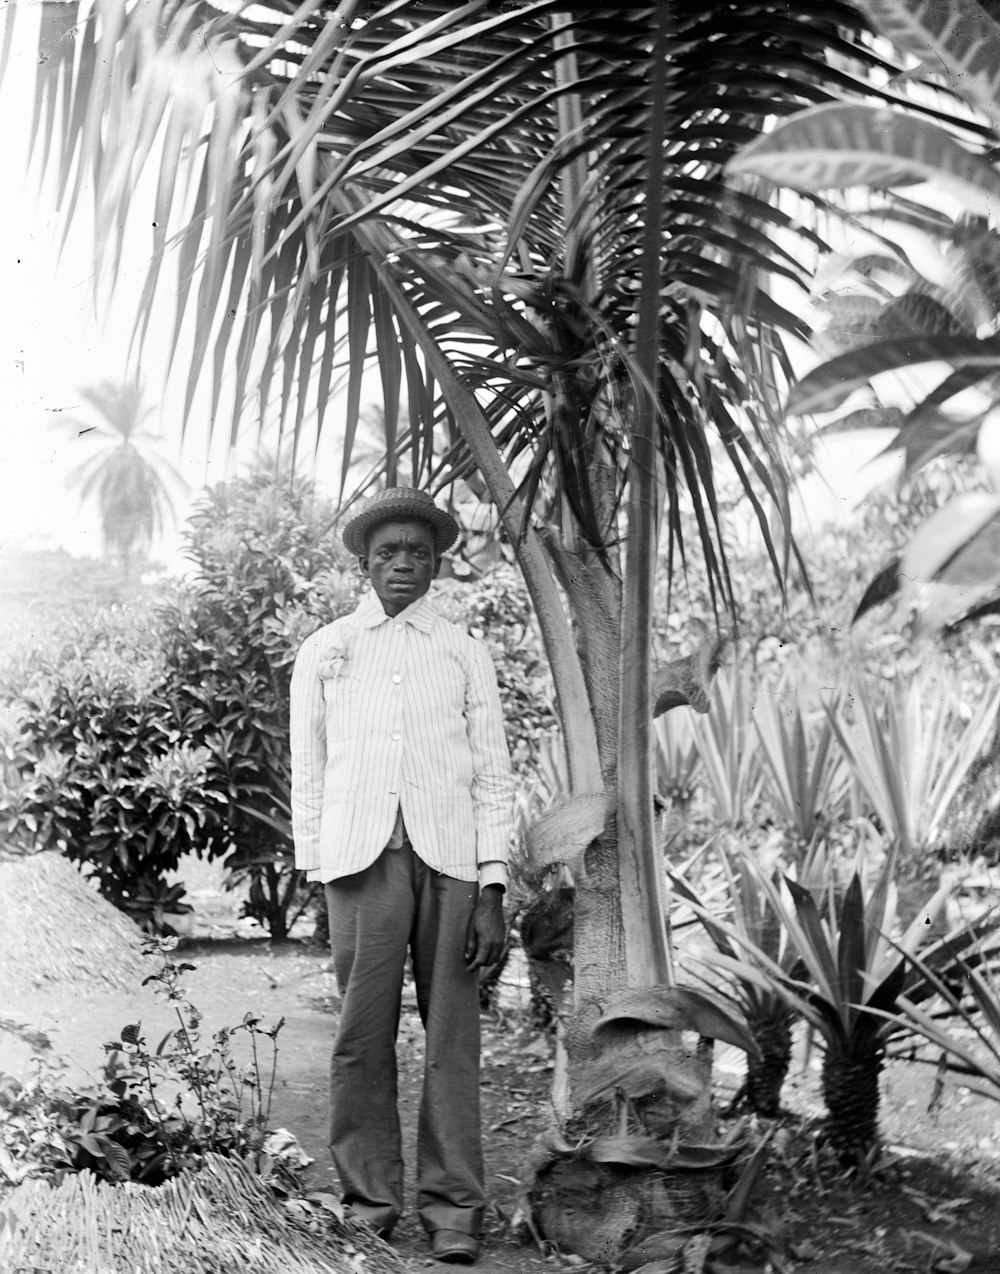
(640, 864)
(766, 1074)
(852, 1098)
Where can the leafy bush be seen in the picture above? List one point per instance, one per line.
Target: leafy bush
(95, 765)
(267, 572)
(496, 608)
(122, 1129)
(141, 736)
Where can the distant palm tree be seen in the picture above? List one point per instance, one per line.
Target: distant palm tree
(126, 482)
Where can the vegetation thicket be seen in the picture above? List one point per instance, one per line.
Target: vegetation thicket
(136, 736)
(523, 213)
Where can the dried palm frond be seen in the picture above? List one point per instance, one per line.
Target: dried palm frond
(56, 928)
(222, 1219)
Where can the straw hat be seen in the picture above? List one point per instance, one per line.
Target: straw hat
(391, 505)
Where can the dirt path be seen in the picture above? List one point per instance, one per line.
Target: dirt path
(234, 977)
(936, 1210)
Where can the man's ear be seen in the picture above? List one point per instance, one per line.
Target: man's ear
(437, 567)
(363, 565)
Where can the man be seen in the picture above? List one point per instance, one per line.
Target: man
(401, 804)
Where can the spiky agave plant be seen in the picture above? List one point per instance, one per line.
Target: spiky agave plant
(847, 982)
(769, 1012)
(973, 1000)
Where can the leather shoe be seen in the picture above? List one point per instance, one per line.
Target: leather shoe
(454, 1246)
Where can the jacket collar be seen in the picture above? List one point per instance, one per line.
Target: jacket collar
(421, 613)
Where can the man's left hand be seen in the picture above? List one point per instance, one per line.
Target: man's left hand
(485, 939)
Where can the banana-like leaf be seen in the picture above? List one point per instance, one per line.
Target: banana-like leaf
(927, 434)
(918, 314)
(884, 585)
(958, 39)
(836, 147)
(830, 385)
(866, 418)
(937, 547)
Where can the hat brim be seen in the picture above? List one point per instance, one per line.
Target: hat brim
(444, 526)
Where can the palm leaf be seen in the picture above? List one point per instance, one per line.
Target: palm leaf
(885, 584)
(835, 147)
(937, 546)
(410, 106)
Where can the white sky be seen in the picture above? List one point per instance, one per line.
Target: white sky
(52, 342)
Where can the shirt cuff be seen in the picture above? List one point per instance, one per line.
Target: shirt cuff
(493, 873)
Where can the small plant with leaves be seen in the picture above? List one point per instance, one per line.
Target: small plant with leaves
(231, 1103)
(156, 1112)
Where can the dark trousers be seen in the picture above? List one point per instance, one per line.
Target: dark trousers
(399, 903)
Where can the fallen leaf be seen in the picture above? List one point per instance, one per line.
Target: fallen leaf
(951, 1259)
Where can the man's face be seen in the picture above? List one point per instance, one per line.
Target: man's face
(401, 562)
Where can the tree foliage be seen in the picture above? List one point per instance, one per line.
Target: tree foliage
(896, 319)
(141, 735)
(521, 213)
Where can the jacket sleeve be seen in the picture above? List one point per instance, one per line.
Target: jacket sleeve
(308, 746)
(492, 783)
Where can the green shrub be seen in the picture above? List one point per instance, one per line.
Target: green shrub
(141, 736)
(267, 571)
(95, 766)
(155, 1112)
(496, 608)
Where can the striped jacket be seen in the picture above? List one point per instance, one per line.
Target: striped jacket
(390, 714)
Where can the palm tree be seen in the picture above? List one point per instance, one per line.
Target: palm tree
(123, 478)
(518, 210)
